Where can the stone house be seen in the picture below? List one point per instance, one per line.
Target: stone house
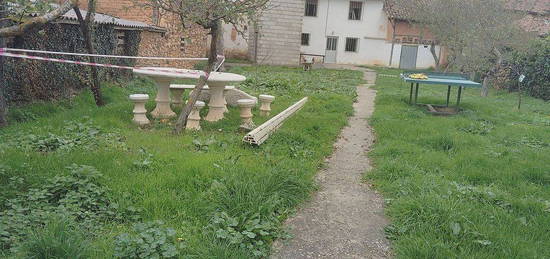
(176, 41)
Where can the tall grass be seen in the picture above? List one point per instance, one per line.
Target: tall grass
(475, 185)
(172, 178)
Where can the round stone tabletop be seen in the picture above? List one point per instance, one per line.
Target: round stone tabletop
(215, 77)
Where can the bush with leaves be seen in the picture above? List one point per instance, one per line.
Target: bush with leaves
(78, 196)
(535, 65)
(149, 240)
(252, 232)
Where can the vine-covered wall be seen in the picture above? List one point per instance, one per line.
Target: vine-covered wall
(28, 80)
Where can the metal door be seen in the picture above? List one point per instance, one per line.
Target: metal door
(408, 57)
(332, 46)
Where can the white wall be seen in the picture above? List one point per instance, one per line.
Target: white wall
(239, 45)
(371, 30)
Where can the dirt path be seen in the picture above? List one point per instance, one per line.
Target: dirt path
(345, 217)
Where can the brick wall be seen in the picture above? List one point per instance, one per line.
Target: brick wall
(276, 38)
(167, 44)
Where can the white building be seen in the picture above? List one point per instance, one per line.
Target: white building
(358, 32)
(363, 32)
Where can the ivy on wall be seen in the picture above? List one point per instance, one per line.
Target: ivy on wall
(29, 80)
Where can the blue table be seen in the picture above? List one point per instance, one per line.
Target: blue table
(449, 79)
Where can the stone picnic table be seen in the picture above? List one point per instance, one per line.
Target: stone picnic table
(163, 76)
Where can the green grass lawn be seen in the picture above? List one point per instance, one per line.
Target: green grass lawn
(223, 199)
(475, 185)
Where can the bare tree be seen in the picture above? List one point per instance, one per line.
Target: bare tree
(210, 14)
(475, 32)
(87, 28)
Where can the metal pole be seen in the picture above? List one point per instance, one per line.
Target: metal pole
(448, 94)
(416, 93)
(411, 94)
(459, 95)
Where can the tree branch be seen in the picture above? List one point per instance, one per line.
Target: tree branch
(20, 29)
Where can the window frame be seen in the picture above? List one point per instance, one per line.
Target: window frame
(308, 39)
(356, 45)
(314, 4)
(351, 13)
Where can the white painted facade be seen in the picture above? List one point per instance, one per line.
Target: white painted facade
(371, 30)
(235, 40)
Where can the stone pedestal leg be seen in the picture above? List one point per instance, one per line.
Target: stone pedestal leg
(140, 117)
(216, 105)
(265, 108)
(193, 121)
(177, 96)
(163, 110)
(246, 114)
(225, 90)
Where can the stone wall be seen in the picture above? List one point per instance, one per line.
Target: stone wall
(176, 42)
(276, 38)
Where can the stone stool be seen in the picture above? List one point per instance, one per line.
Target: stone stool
(177, 93)
(265, 108)
(193, 121)
(246, 114)
(139, 100)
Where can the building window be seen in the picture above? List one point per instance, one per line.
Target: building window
(305, 39)
(351, 44)
(311, 7)
(355, 9)
(121, 43)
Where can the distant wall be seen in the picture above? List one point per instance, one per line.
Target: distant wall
(176, 42)
(276, 37)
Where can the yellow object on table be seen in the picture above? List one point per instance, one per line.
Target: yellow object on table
(419, 76)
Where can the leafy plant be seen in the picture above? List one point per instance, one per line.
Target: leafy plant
(78, 196)
(252, 232)
(149, 240)
(145, 161)
(202, 145)
(74, 135)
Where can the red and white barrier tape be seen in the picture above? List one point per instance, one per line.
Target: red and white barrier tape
(96, 55)
(83, 63)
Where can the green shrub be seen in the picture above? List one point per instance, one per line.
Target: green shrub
(149, 240)
(252, 232)
(59, 238)
(535, 65)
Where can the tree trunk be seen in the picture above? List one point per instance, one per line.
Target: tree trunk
(485, 86)
(434, 55)
(490, 75)
(86, 26)
(215, 31)
(220, 48)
